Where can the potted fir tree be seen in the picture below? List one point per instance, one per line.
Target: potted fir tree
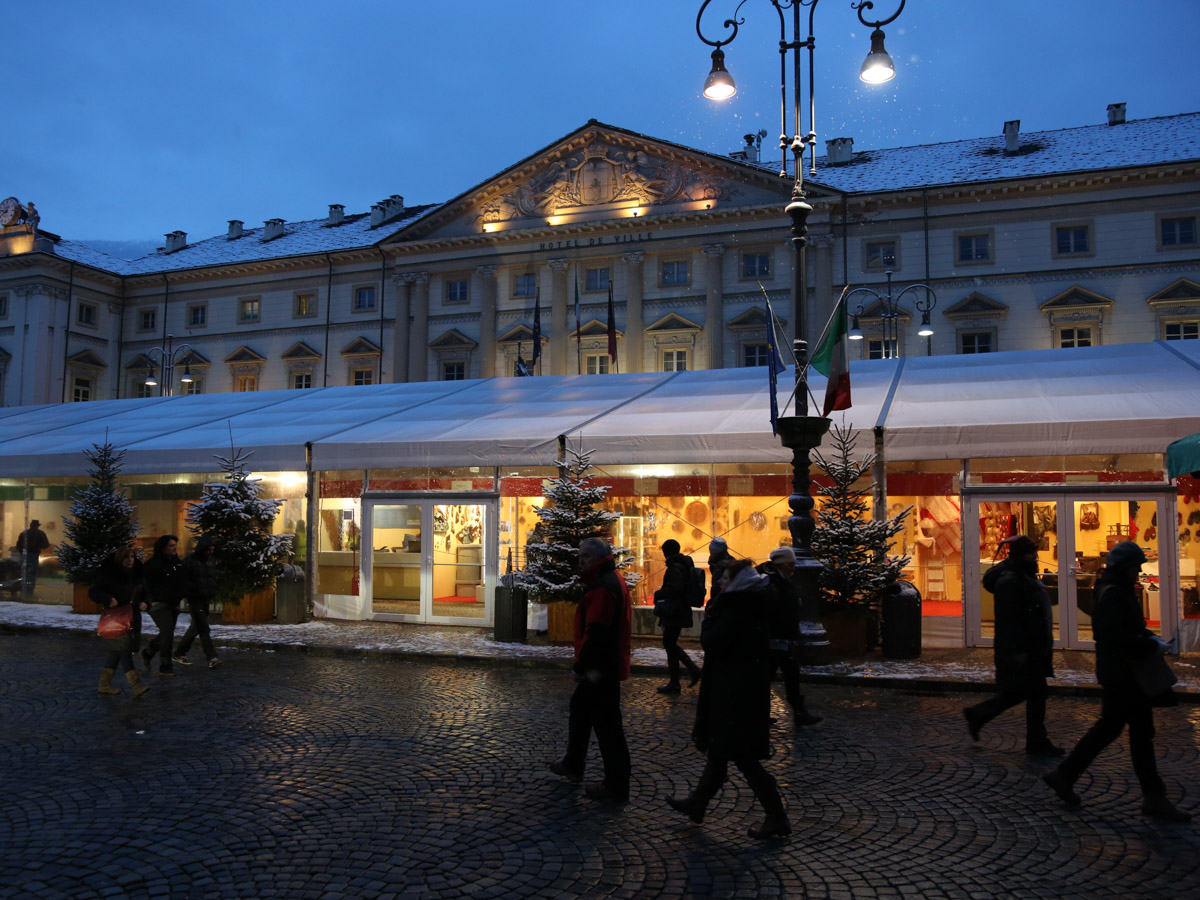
(852, 547)
(103, 523)
(570, 515)
(249, 558)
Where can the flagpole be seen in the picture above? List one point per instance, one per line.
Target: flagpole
(578, 335)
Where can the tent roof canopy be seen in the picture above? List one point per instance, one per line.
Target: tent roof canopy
(1131, 398)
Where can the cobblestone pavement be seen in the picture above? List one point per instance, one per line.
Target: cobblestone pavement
(297, 776)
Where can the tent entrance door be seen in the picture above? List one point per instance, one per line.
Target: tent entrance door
(432, 559)
(1074, 533)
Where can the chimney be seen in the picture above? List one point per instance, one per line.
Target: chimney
(386, 210)
(176, 240)
(1116, 114)
(337, 214)
(376, 214)
(1012, 137)
(272, 228)
(751, 148)
(235, 229)
(839, 151)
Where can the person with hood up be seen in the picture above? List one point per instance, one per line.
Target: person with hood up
(603, 630)
(719, 558)
(1023, 646)
(734, 710)
(785, 630)
(120, 584)
(200, 587)
(30, 545)
(1122, 640)
(673, 606)
(164, 581)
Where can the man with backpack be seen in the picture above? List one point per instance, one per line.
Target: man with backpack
(683, 588)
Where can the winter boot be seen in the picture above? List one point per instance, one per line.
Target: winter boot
(803, 717)
(106, 685)
(1064, 788)
(671, 689)
(693, 674)
(1160, 807)
(136, 683)
(690, 806)
(774, 825)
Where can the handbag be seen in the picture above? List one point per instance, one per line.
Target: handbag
(115, 622)
(1155, 678)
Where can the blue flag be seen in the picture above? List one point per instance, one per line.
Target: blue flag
(774, 367)
(537, 328)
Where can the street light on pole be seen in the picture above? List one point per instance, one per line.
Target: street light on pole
(167, 359)
(801, 433)
(889, 316)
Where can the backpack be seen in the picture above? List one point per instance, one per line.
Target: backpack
(697, 593)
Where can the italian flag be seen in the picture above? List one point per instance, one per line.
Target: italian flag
(832, 360)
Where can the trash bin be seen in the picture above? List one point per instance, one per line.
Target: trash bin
(902, 621)
(511, 614)
(290, 605)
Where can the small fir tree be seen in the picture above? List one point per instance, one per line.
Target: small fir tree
(852, 546)
(231, 512)
(570, 515)
(103, 520)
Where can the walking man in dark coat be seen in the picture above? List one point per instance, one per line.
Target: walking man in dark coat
(1122, 642)
(785, 630)
(603, 630)
(719, 558)
(673, 606)
(30, 544)
(164, 575)
(1024, 645)
(200, 587)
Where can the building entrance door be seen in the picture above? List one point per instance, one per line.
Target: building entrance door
(1074, 533)
(431, 559)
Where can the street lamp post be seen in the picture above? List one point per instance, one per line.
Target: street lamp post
(167, 358)
(889, 316)
(800, 433)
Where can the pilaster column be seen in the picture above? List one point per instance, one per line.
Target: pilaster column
(402, 327)
(487, 320)
(635, 326)
(418, 339)
(714, 327)
(558, 315)
(819, 251)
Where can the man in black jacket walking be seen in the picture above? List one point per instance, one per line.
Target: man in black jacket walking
(164, 574)
(673, 606)
(200, 587)
(1024, 645)
(785, 629)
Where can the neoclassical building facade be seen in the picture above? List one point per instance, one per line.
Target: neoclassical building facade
(608, 239)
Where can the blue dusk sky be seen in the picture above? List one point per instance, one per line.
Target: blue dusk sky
(131, 119)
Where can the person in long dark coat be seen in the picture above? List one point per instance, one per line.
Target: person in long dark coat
(1024, 646)
(165, 583)
(785, 630)
(734, 709)
(673, 606)
(120, 584)
(200, 587)
(1122, 642)
(719, 559)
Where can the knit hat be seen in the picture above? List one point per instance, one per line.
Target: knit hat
(1019, 545)
(717, 544)
(783, 555)
(1123, 554)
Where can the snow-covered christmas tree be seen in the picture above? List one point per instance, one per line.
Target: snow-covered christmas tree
(852, 546)
(103, 518)
(570, 515)
(231, 512)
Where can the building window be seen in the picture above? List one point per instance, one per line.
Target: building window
(454, 371)
(674, 272)
(1075, 337)
(878, 256)
(82, 391)
(141, 390)
(362, 376)
(756, 265)
(1176, 231)
(245, 384)
(302, 381)
(1072, 240)
(674, 360)
(876, 347)
(457, 290)
(974, 247)
(86, 315)
(976, 342)
(3, 306)
(364, 299)
(147, 319)
(197, 315)
(596, 280)
(304, 305)
(1181, 331)
(596, 364)
(195, 386)
(524, 285)
(249, 309)
(755, 355)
